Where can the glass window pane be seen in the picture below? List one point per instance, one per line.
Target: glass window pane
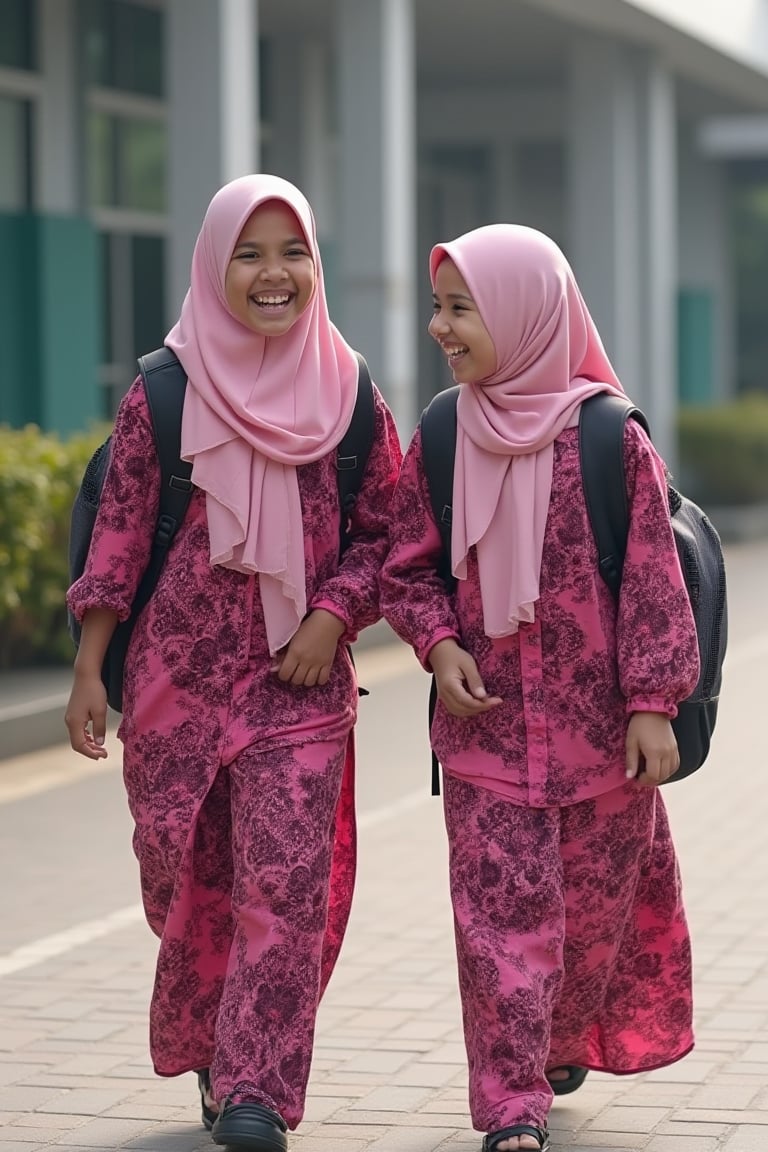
(17, 34)
(127, 163)
(105, 263)
(142, 165)
(95, 41)
(124, 46)
(137, 48)
(101, 160)
(16, 151)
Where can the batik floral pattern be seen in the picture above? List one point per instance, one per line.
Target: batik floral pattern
(571, 940)
(241, 787)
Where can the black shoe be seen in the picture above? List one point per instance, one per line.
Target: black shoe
(576, 1077)
(209, 1115)
(250, 1125)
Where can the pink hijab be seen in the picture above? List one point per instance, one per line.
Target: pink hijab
(256, 407)
(549, 357)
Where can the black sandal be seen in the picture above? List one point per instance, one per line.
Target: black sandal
(208, 1116)
(576, 1077)
(250, 1125)
(493, 1139)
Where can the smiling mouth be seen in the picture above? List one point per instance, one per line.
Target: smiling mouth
(273, 302)
(454, 352)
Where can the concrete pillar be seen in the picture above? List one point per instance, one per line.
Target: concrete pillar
(213, 129)
(377, 193)
(661, 285)
(60, 154)
(622, 218)
(316, 144)
(505, 181)
(287, 86)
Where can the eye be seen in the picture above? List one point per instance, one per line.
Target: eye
(297, 252)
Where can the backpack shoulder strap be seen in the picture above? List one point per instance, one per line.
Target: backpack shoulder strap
(165, 384)
(355, 447)
(438, 449)
(601, 453)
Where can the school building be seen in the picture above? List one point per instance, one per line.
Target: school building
(610, 124)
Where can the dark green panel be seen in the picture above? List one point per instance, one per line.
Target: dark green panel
(695, 346)
(17, 34)
(148, 266)
(69, 270)
(19, 321)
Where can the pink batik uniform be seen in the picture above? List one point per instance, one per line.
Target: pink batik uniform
(571, 936)
(240, 786)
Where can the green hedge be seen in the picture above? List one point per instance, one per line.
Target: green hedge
(724, 451)
(39, 476)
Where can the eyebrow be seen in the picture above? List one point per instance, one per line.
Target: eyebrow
(454, 296)
(292, 240)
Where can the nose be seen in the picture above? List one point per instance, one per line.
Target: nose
(273, 270)
(437, 325)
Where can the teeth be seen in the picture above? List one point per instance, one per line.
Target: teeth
(272, 299)
(453, 352)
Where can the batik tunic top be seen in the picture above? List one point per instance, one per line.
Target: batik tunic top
(570, 678)
(198, 656)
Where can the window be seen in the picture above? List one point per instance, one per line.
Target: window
(127, 162)
(133, 292)
(17, 34)
(124, 46)
(127, 147)
(16, 151)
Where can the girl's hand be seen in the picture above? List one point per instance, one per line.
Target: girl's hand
(652, 755)
(459, 685)
(308, 658)
(86, 716)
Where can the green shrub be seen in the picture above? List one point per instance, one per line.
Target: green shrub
(724, 451)
(39, 476)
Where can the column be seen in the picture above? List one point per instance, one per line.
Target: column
(377, 193)
(622, 221)
(213, 116)
(661, 253)
(62, 241)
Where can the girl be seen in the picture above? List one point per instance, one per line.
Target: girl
(240, 696)
(554, 707)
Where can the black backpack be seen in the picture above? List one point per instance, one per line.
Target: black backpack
(165, 383)
(601, 451)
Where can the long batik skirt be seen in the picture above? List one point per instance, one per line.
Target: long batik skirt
(248, 884)
(571, 940)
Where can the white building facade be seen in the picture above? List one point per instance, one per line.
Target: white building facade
(405, 122)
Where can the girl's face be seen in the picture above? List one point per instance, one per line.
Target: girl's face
(458, 328)
(271, 275)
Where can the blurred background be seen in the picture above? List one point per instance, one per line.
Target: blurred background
(635, 132)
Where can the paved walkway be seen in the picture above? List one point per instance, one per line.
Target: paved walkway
(388, 1074)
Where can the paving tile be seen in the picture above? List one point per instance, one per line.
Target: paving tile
(682, 1144)
(628, 1119)
(392, 1099)
(82, 1101)
(746, 1139)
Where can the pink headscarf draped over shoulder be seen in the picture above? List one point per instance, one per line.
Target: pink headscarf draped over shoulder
(256, 407)
(549, 358)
